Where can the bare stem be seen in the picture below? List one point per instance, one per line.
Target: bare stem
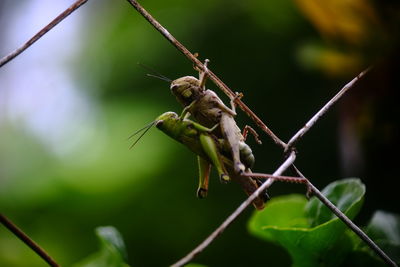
(286, 164)
(27, 240)
(211, 75)
(42, 32)
(3, 219)
(292, 142)
(288, 179)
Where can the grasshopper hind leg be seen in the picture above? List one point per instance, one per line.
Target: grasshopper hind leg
(212, 152)
(247, 129)
(204, 175)
(265, 196)
(239, 167)
(233, 136)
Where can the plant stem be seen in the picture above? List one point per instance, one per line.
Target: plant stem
(27, 240)
(323, 110)
(42, 32)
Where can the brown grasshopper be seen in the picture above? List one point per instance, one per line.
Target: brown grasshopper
(209, 110)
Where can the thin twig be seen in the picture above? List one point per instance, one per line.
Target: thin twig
(27, 240)
(3, 219)
(211, 75)
(292, 142)
(42, 32)
(288, 179)
(286, 164)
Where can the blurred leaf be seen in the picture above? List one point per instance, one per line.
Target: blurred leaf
(385, 226)
(112, 251)
(287, 220)
(275, 16)
(384, 229)
(348, 21)
(352, 31)
(334, 62)
(99, 162)
(110, 236)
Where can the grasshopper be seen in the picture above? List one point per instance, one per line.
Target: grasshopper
(209, 110)
(210, 152)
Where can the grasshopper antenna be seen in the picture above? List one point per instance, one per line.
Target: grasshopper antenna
(154, 74)
(145, 129)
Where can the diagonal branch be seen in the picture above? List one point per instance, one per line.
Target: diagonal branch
(286, 164)
(211, 75)
(28, 241)
(42, 32)
(292, 142)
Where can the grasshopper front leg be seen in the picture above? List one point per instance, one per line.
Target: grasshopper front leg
(203, 75)
(233, 103)
(186, 111)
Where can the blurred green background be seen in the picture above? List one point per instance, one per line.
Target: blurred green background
(68, 104)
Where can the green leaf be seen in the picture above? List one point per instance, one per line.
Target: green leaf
(112, 252)
(308, 231)
(346, 195)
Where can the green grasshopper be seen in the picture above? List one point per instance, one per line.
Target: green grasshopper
(209, 110)
(210, 152)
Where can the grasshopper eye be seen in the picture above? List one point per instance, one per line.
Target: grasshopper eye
(159, 123)
(174, 87)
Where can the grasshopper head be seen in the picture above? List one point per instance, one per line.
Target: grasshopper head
(165, 119)
(167, 123)
(186, 89)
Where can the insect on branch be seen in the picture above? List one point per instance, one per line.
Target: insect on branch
(288, 149)
(200, 66)
(42, 32)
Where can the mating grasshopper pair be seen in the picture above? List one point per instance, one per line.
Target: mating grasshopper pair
(216, 139)
(209, 110)
(210, 151)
